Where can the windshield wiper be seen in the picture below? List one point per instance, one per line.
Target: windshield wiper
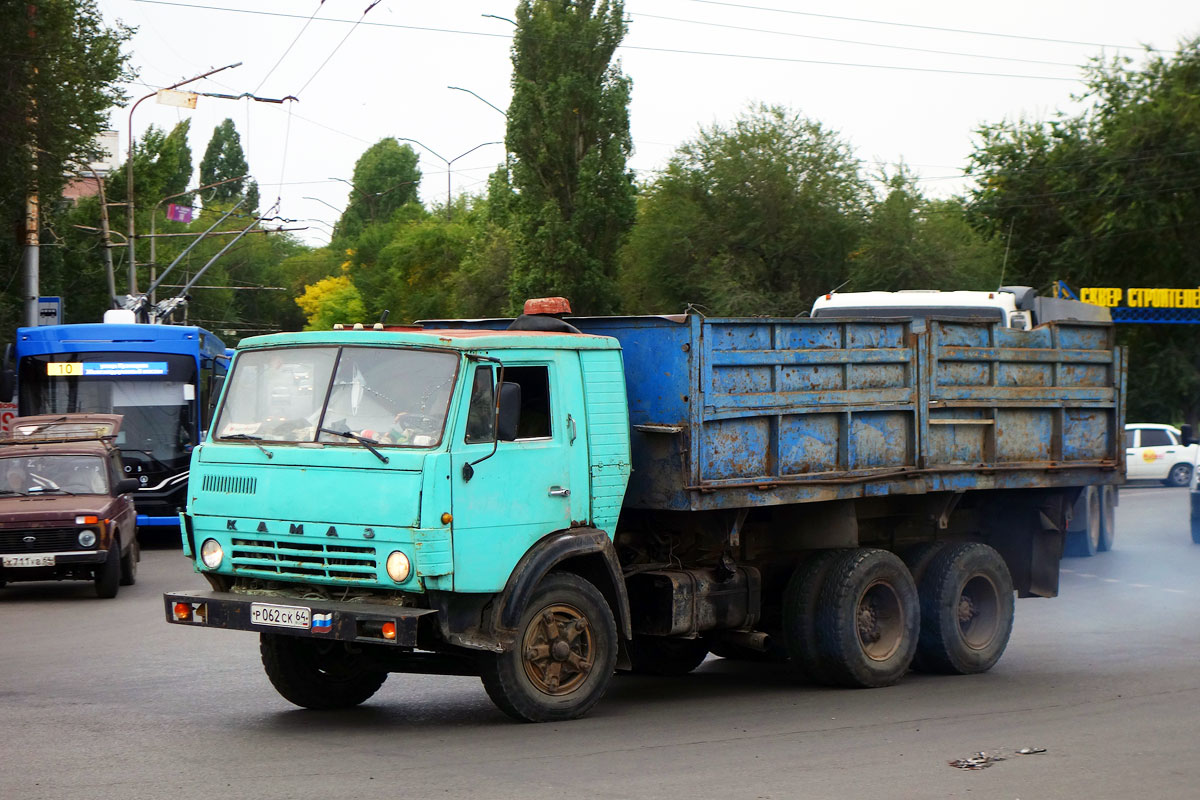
(49, 489)
(245, 437)
(14, 491)
(364, 441)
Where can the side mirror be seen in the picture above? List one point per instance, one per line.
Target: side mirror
(7, 382)
(1185, 435)
(127, 485)
(509, 418)
(215, 384)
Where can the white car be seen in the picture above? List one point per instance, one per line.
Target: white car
(1157, 453)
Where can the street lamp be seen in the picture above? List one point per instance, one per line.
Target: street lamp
(477, 97)
(447, 161)
(129, 168)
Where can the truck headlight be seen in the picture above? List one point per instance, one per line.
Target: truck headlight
(398, 567)
(211, 553)
(87, 538)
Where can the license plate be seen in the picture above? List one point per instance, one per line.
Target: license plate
(280, 616)
(29, 561)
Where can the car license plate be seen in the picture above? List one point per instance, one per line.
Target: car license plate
(29, 561)
(280, 616)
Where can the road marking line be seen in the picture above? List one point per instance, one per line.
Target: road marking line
(1086, 575)
(1110, 580)
(1141, 585)
(1176, 591)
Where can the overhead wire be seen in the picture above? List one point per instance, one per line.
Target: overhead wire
(914, 25)
(627, 47)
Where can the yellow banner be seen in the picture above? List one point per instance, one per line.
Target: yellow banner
(1141, 297)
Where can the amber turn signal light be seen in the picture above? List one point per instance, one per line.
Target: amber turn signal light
(183, 611)
(447, 518)
(389, 630)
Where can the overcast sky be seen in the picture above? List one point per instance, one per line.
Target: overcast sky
(906, 82)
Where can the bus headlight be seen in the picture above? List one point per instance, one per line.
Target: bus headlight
(87, 538)
(211, 553)
(398, 567)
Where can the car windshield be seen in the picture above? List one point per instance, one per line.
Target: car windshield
(47, 474)
(387, 396)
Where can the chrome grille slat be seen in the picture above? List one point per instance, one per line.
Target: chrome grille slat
(267, 558)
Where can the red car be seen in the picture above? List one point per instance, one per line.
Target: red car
(65, 511)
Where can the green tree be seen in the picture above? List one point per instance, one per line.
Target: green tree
(1108, 198)
(60, 73)
(224, 159)
(568, 139)
(756, 218)
(911, 242)
(386, 179)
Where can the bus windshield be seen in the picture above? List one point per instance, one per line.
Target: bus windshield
(389, 396)
(155, 392)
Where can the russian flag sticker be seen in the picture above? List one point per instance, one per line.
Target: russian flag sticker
(322, 623)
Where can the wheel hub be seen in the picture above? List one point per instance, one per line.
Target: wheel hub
(880, 621)
(558, 649)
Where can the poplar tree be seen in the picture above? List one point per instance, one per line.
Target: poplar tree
(572, 200)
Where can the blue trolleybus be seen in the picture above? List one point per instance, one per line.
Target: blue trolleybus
(162, 378)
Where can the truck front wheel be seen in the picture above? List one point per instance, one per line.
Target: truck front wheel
(564, 655)
(868, 617)
(966, 610)
(318, 674)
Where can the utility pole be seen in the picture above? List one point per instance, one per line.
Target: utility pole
(32, 262)
(106, 239)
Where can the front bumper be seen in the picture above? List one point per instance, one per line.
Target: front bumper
(347, 622)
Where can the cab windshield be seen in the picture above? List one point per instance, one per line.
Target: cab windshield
(63, 474)
(387, 396)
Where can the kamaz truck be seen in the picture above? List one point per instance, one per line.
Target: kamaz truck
(546, 501)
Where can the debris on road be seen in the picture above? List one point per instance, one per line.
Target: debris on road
(984, 759)
(981, 760)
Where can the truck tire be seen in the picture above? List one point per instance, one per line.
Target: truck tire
(108, 574)
(129, 563)
(1108, 518)
(662, 655)
(966, 610)
(1083, 536)
(564, 655)
(800, 615)
(1180, 475)
(1195, 538)
(868, 619)
(918, 558)
(316, 674)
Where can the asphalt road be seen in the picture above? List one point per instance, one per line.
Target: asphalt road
(103, 699)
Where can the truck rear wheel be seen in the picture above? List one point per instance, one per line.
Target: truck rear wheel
(316, 674)
(563, 657)
(663, 655)
(1108, 518)
(966, 610)
(800, 615)
(1083, 536)
(868, 618)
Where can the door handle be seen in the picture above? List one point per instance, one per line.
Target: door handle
(558, 491)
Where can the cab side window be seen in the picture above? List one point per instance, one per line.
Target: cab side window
(535, 400)
(482, 412)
